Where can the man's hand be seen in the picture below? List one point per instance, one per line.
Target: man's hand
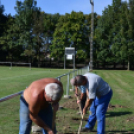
(50, 132)
(78, 101)
(88, 104)
(84, 110)
(76, 94)
(76, 91)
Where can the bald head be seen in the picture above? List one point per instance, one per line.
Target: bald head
(78, 80)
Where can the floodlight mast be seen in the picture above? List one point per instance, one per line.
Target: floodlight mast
(92, 34)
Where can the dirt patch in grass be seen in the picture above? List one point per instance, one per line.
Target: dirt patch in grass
(68, 133)
(110, 106)
(78, 118)
(130, 119)
(71, 103)
(37, 133)
(67, 128)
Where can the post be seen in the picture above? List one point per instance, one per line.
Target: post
(67, 87)
(64, 61)
(30, 66)
(73, 61)
(11, 66)
(92, 34)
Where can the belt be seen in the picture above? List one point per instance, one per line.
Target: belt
(23, 99)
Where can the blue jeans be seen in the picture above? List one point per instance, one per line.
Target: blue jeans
(98, 110)
(25, 121)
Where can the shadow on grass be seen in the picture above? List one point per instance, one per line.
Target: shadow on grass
(76, 132)
(111, 114)
(120, 132)
(107, 132)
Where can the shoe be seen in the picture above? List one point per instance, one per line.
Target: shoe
(84, 129)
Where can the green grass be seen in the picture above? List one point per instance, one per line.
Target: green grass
(122, 83)
(119, 119)
(17, 79)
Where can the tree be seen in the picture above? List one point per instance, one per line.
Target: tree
(124, 45)
(116, 40)
(3, 20)
(128, 46)
(25, 21)
(38, 31)
(103, 36)
(72, 30)
(112, 34)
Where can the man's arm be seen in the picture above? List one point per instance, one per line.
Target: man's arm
(55, 105)
(83, 93)
(83, 96)
(88, 104)
(34, 108)
(36, 119)
(76, 91)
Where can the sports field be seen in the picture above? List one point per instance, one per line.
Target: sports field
(119, 118)
(17, 79)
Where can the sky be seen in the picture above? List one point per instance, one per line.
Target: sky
(61, 6)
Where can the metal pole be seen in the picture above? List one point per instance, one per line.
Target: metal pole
(11, 65)
(10, 96)
(92, 34)
(67, 88)
(73, 61)
(58, 78)
(64, 61)
(30, 66)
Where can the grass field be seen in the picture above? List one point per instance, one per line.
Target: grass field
(119, 118)
(17, 79)
(120, 115)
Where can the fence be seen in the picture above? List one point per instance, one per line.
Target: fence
(9, 122)
(72, 73)
(15, 63)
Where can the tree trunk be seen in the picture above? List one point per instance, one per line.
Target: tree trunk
(50, 61)
(114, 65)
(38, 52)
(128, 68)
